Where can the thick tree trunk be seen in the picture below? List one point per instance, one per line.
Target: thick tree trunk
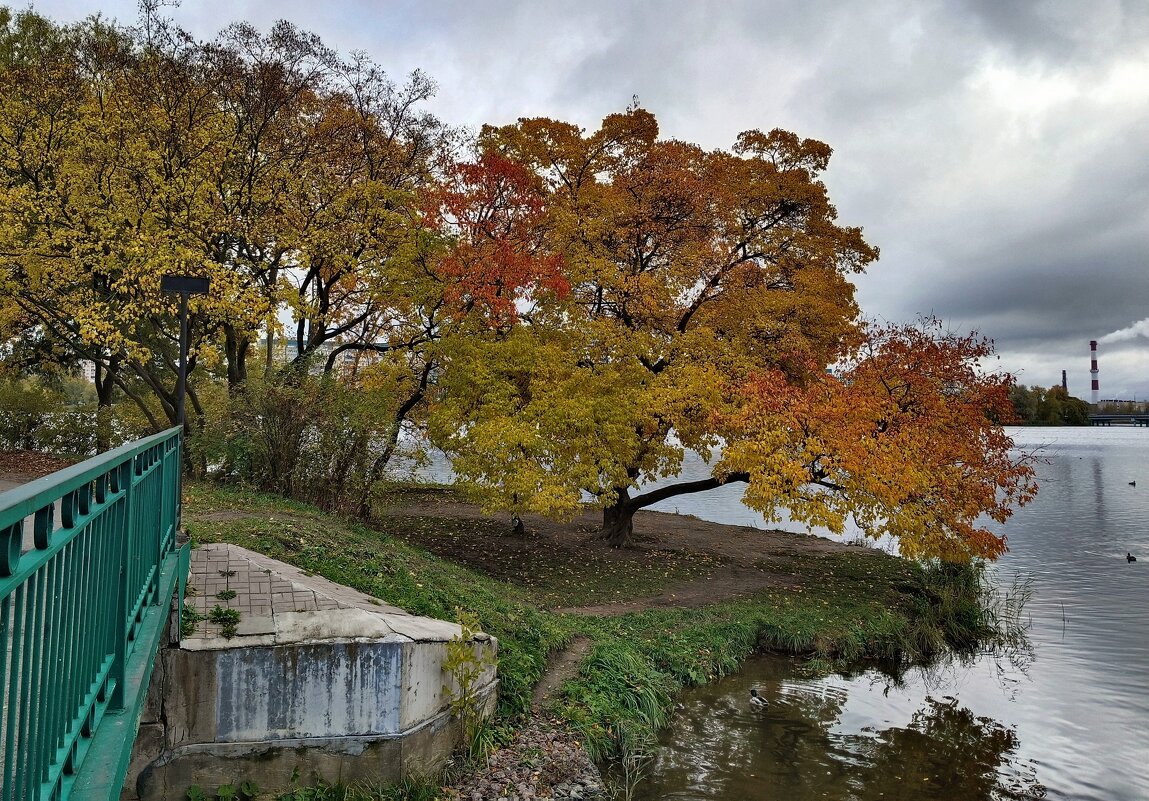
(235, 352)
(618, 520)
(618, 524)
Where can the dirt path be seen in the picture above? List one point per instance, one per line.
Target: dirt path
(561, 666)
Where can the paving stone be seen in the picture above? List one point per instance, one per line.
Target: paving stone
(278, 602)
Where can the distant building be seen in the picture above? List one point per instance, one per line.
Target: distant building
(347, 363)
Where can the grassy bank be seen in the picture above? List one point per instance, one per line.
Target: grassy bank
(847, 603)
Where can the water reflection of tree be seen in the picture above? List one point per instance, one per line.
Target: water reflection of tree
(945, 752)
(721, 749)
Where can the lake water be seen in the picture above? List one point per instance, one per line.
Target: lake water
(1069, 722)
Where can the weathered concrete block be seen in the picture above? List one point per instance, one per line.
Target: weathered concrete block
(333, 689)
(348, 690)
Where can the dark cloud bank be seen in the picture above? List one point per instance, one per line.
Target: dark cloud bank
(998, 153)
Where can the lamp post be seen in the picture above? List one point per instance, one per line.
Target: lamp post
(186, 286)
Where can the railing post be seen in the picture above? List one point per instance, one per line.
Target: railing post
(125, 477)
(178, 468)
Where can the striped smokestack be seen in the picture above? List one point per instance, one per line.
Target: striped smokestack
(1093, 371)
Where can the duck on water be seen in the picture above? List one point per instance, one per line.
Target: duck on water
(757, 701)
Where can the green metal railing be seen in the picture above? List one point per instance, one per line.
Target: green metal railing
(88, 566)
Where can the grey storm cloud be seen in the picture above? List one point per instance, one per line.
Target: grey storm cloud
(1062, 31)
(997, 152)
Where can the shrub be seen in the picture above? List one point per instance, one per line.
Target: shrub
(311, 438)
(26, 407)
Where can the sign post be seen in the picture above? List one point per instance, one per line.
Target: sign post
(186, 286)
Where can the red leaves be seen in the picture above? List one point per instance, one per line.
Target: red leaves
(495, 214)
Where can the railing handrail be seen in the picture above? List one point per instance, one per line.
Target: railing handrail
(82, 611)
(28, 499)
(21, 501)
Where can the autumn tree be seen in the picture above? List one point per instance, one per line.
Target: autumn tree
(686, 268)
(567, 312)
(496, 263)
(708, 294)
(286, 174)
(318, 187)
(111, 147)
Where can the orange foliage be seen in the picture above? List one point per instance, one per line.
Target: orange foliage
(494, 212)
(698, 299)
(906, 438)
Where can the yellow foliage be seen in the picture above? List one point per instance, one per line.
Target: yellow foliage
(687, 270)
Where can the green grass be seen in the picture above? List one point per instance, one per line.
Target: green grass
(840, 607)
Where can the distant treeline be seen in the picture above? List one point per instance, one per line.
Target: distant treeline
(1037, 406)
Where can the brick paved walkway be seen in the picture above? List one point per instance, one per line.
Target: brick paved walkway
(270, 596)
(277, 602)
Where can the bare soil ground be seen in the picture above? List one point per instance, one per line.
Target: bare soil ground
(26, 465)
(706, 561)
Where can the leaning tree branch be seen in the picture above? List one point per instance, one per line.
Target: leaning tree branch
(685, 488)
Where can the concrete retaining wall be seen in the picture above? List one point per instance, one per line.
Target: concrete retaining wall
(340, 695)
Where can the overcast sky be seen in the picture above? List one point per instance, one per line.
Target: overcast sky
(997, 152)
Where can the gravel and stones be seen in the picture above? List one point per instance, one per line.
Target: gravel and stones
(543, 761)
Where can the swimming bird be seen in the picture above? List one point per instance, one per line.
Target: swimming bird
(1130, 557)
(1133, 483)
(756, 700)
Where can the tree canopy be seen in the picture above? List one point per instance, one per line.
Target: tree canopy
(905, 436)
(1048, 407)
(706, 293)
(565, 313)
(685, 268)
(286, 175)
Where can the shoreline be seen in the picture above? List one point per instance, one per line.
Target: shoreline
(685, 605)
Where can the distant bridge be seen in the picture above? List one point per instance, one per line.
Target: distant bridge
(89, 566)
(1119, 420)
